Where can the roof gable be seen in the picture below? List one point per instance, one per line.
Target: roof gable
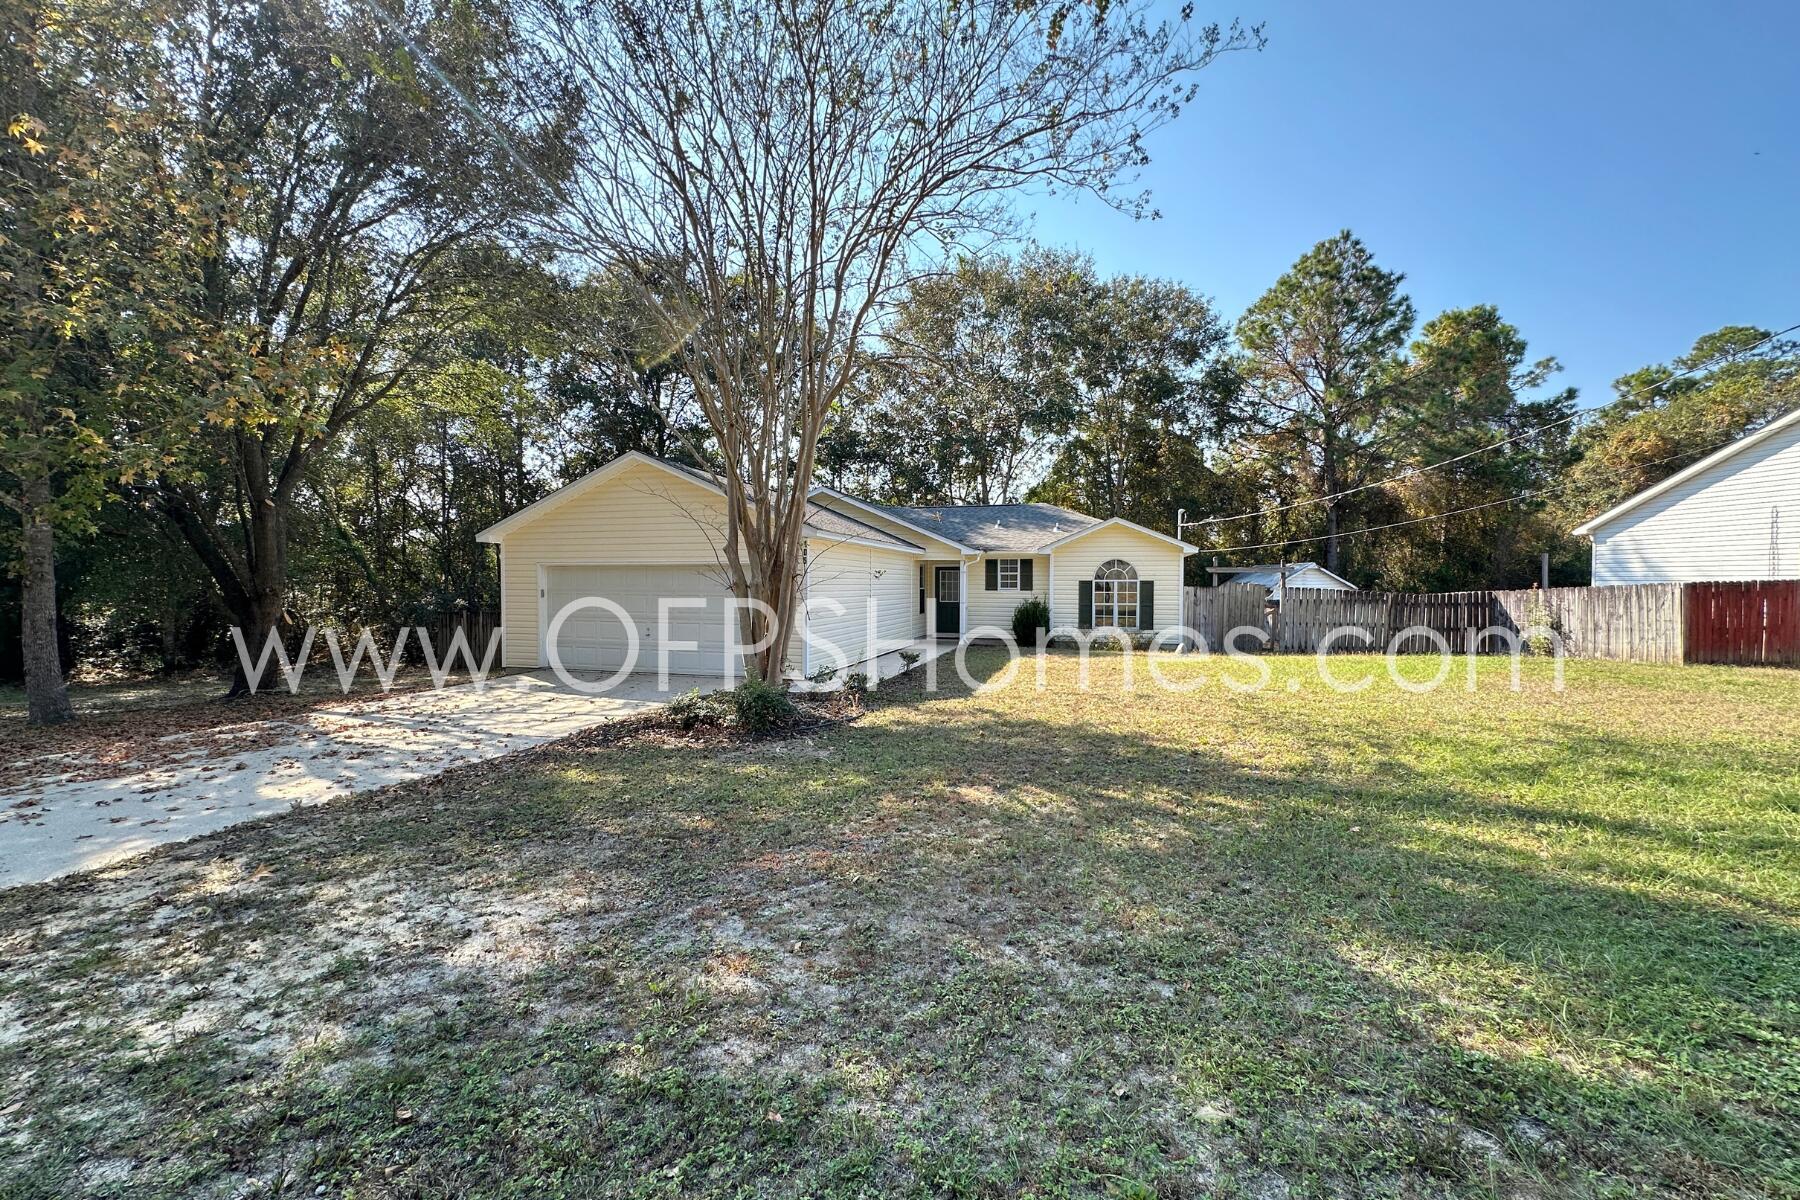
(1269, 574)
(1682, 476)
(1121, 523)
(821, 522)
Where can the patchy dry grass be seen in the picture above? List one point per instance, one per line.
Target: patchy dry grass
(1069, 943)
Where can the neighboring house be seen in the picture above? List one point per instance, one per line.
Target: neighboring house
(1268, 575)
(1732, 515)
(640, 529)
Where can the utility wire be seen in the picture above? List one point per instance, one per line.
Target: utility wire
(1581, 415)
(1457, 512)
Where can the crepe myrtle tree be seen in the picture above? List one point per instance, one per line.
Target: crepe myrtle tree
(769, 172)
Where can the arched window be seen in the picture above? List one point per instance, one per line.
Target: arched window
(1116, 595)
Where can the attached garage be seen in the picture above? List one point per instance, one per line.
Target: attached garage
(592, 637)
(639, 531)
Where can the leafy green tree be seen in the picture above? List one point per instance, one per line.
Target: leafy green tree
(97, 235)
(369, 172)
(617, 383)
(1466, 385)
(1148, 360)
(1319, 370)
(975, 379)
(384, 531)
(1668, 416)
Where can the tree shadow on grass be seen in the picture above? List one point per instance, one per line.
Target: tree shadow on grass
(983, 953)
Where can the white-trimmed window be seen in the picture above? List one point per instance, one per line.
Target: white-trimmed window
(1116, 595)
(1008, 575)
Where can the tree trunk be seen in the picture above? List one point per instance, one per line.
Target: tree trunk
(1330, 479)
(261, 615)
(47, 698)
(251, 586)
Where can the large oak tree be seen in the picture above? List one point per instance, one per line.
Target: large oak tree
(99, 237)
(368, 167)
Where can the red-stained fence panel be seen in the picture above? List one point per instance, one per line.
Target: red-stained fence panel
(1751, 624)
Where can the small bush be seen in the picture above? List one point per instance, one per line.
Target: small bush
(758, 706)
(752, 706)
(1031, 616)
(691, 710)
(1538, 617)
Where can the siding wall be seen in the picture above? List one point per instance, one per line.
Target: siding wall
(1312, 577)
(935, 552)
(862, 579)
(1155, 560)
(645, 515)
(1739, 520)
(642, 515)
(996, 608)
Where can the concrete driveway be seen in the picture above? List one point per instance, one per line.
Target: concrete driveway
(59, 827)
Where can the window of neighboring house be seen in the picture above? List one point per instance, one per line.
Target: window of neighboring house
(1116, 595)
(1009, 574)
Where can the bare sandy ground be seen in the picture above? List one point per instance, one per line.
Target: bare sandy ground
(62, 822)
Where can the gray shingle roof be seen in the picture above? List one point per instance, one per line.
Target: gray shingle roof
(1025, 528)
(832, 523)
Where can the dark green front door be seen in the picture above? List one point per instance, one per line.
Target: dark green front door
(949, 600)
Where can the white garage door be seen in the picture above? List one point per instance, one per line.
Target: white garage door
(593, 639)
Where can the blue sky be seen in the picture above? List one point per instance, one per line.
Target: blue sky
(1618, 179)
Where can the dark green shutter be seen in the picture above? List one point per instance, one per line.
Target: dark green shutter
(993, 574)
(921, 589)
(1024, 574)
(1146, 605)
(1084, 604)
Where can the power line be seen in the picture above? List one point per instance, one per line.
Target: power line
(1517, 437)
(1457, 512)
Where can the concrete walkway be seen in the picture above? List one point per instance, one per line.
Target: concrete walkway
(58, 827)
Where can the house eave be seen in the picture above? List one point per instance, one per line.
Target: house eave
(1587, 528)
(838, 539)
(875, 510)
(1114, 523)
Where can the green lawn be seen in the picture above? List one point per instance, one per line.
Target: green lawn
(1016, 943)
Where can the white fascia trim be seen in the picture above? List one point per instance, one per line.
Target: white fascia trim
(853, 502)
(580, 487)
(838, 539)
(1186, 548)
(1687, 473)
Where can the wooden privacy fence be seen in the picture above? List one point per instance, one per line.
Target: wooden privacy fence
(1756, 623)
(477, 626)
(1738, 623)
(1213, 612)
(1308, 616)
(1631, 623)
